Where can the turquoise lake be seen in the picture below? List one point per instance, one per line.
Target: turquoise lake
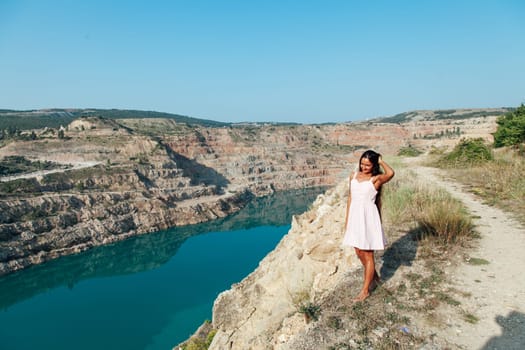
(148, 292)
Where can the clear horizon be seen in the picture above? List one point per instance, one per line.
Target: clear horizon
(285, 61)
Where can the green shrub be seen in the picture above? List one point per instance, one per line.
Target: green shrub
(468, 152)
(20, 186)
(11, 165)
(200, 344)
(511, 128)
(409, 151)
(310, 310)
(437, 151)
(497, 182)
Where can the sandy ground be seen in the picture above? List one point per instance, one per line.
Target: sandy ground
(495, 292)
(74, 165)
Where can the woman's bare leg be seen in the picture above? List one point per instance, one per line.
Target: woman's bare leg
(376, 281)
(367, 259)
(360, 255)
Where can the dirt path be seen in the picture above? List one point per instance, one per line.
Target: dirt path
(495, 292)
(40, 173)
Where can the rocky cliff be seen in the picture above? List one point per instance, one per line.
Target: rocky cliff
(260, 312)
(149, 175)
(132, 176)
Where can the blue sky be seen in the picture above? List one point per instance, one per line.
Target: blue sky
(298, 61)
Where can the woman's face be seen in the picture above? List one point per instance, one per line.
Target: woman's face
(366, 166)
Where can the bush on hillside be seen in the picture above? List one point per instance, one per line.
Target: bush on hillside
(498, 182)
(11, 165)
(196, 343)
(20, 186)
(468, 152)
(409, 151)
(511, 128)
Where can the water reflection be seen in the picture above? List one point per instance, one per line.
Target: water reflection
(146, 252)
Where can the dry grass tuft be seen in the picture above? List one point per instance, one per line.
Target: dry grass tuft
(499, 182)
(434, 212)
(443, 218)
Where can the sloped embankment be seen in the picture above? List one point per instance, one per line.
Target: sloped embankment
(260, 312)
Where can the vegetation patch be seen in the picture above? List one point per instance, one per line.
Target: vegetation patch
(511, 128)
(444, 114)
(498, 182)
(443, 218)
(453, 114)
(467, 152)
(12, 165)
(433, 212)
(202, 340)
(409, 151)
(19, 186)
(310, 311)
(477, 261)
(20, 120)
(38, 119)
(470, 318)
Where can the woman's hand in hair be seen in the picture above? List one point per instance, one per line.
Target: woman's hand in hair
(387, 176)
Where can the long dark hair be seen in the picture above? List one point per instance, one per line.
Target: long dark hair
(373, 157)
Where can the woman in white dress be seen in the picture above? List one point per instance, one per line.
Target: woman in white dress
(363, 229)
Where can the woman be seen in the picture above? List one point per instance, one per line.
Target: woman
(363, 229)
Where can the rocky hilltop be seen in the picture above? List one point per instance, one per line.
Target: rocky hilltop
(114, 178)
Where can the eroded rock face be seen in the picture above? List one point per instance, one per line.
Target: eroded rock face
(142, 184)
(73, 223)
(260, 312)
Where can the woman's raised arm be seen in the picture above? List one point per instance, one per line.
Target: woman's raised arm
(387, 176)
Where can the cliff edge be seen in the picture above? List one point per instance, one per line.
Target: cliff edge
(434, 296)
(260, 312)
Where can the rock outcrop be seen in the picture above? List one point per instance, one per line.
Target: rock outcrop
(261, 312)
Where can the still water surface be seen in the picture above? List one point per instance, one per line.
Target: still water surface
(148, 292)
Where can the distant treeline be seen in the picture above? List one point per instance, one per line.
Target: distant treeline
(18, 122)
(54, 118)
(446, 114)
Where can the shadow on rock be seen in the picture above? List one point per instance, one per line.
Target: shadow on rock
(401, 252)
(198, 173)
(513, 332)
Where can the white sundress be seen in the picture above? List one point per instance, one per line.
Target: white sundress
(364, 230)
